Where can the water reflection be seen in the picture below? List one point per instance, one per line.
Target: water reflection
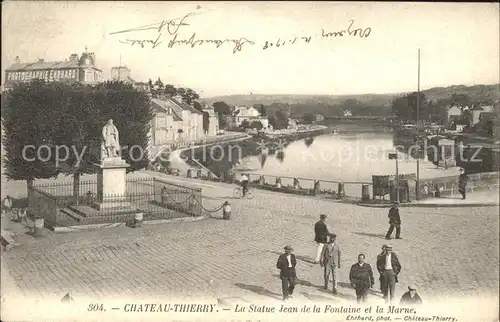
(309, 141)
(345, 156)
(280, 156)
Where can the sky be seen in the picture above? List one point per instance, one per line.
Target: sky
(458, 42)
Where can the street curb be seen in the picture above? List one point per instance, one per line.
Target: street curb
(434, 205)
(70, 229)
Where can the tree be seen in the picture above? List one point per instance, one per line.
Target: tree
(222, 109)
(245, 124)
(405, 106)
(72, 116)
(188, 95)
(206, 122)
(279, 120)
(309, 118)
(198, 106)
(261, 108)
(169, 90)
(461, 99)
(28, 118)
(256, 125)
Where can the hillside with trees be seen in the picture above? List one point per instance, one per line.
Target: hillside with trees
(362, 104)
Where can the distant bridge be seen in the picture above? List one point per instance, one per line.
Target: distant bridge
(381, 118)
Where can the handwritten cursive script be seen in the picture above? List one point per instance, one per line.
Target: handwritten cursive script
(238, 43)
(350, 31)
(172, 26)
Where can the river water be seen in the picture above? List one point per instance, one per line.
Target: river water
(354, 154)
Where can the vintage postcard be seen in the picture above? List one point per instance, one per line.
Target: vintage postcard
(250, 161)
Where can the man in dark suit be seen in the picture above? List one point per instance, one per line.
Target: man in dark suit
(286, 264)
(320, 236)
(462, 183)
(389, 267)
(410, 298)
(330, 260)
(361, 277)
(382, 254)
(394, 221)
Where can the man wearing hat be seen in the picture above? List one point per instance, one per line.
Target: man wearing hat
(286, 264)
(411, 297)
(389, 268)
(320, 236)
(382, 254)
(462, 183)
(394, 221)
(330, 260)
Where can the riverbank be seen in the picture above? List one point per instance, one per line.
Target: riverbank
(157, 151)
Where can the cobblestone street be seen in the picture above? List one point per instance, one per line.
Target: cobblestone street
(442, 251)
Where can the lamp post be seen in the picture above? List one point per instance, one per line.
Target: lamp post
(394, 156)
(418, 130)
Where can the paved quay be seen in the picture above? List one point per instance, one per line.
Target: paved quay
(214, 258)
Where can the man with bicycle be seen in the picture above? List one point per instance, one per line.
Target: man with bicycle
(244, 184)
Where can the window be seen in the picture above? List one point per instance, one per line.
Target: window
(9, 76)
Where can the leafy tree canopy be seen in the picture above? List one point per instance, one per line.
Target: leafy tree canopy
(68, 118)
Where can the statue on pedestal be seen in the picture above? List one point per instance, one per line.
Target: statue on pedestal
(110, 146)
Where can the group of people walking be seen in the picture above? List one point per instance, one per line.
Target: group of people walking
(361, 277)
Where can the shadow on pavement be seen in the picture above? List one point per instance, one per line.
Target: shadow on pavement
(259, 290)
(381, 236)
(299, 282)
(319, 298)
(340, 295)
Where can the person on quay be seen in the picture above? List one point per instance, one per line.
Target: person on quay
(286, 264)
(7, 205)
(389, 267)
(394, 221)
(462, 183)
(330, 260)
(244, 184)
(320, 236)
(410, 298)
(382, 254)
(361, 278)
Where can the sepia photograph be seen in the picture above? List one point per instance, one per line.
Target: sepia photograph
(250, 161)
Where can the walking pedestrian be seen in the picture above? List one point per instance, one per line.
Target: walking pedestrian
(394, 221)
(286, 264)
(7, 205)
(382, 254)
(361, 277)
(462, 183)
(330, 260)
(389, 267)
(411, 298)
(321, 236)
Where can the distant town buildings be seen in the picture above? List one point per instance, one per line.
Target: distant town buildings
(244, 113)
(123, 74)
(74, 69)
(176, 121)
(347, 113)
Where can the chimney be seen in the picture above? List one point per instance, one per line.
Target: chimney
(73, 58)
(17, 60)
(93, 58)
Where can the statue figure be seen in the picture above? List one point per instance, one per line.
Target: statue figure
(111, 141)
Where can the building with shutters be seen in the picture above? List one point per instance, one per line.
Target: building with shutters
(74, 69)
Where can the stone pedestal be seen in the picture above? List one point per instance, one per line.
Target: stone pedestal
(111, 185)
